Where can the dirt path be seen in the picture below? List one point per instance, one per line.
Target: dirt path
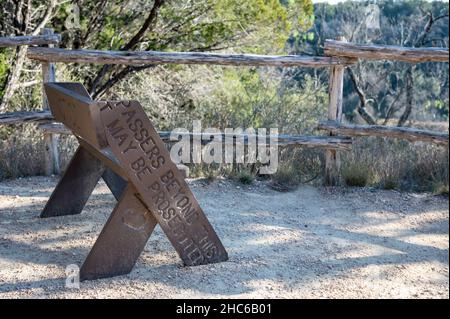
(310, 243)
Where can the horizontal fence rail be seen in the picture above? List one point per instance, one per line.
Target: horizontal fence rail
(342, 143)
(326, 142)
(385, 52)
(29, 40)
(24, 117)
(153, 57)
(45, 118)
(411, 134)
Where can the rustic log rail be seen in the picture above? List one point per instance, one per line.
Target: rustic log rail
(24, 117)
(411, 134)
(153, 57)
(30, 40)
(385, 52)
(325, 142)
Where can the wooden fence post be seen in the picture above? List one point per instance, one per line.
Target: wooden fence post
(336, 92)
(50, 140)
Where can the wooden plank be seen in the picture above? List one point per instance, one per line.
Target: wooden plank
(129, 227)
(386, 52)
(48, 72)
(336, 94)
(340, 143)
(51, 156)
(411, 134)
(55, 128)
(78, 112)
(75, 186)
(280, 140)
(30, 40)
(153, 57)
(25, 117)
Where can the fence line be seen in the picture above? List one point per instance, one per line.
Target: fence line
(339, 55)
(335, 110)
(24, 117)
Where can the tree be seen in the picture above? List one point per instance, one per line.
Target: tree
(381, 91)
(21, 18)
(193, 25)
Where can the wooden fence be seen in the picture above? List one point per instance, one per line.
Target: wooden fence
(339, 55)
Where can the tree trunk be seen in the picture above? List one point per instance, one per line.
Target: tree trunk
(362, 108)
(409, 97)
(12, 80)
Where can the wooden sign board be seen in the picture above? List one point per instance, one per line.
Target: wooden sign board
(77, 111)
(119, 143)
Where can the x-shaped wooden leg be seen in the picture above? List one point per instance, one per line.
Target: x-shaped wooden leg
(127, 230)
(76, 185)
(122, 239)
(119, 143)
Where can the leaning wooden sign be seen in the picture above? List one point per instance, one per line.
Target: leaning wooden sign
(119, 144)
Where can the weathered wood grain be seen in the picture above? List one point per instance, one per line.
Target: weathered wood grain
(30, 40)
(24, 117)
(385, 52)
(341, 143)
(45, 117)
(336, 96)
(411, 134)
(153, 57)
(51, 141)
(54, 128)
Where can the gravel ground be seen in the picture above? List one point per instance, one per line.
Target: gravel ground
(308, 243)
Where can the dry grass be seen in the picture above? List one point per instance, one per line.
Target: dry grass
(356, 174)
(21, 152)
(375, 162)
(390, 164)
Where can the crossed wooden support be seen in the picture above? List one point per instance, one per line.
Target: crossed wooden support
(119, 144)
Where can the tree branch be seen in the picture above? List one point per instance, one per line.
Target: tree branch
(150, 21)
(409, 73)
(409, 97)
(46, 18)
(362, 108)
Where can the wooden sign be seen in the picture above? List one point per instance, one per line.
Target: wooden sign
(119, 144)
(160, 185)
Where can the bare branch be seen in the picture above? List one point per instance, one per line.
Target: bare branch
(151, 19)
(46, 18)
(362, 108)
